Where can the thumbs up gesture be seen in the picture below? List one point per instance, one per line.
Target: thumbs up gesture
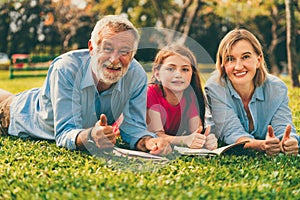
(103, 134)
(289, 145)
(196, 139)
(103, 120)
(272, 144)
(211, 142)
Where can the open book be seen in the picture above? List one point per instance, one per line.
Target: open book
(236, 148)
(134, 154)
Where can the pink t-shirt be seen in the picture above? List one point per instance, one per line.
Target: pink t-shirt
(171, 116)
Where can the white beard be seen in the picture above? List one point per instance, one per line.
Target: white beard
(103, 74)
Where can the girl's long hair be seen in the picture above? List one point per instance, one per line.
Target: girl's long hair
(195, 84)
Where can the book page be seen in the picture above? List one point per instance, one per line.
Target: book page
(189, 151)
(133, 153)
(220, 150)
(203, 151)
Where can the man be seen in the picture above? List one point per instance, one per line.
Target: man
(80, 86)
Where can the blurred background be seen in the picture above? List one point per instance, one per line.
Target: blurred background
(44, 29)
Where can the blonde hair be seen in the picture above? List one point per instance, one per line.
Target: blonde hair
(115, 23)
(225, 47)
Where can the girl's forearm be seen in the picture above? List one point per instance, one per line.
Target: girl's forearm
(176, 140)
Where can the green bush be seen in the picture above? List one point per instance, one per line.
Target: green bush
(44, 58)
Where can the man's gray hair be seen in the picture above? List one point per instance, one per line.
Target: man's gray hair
(117, 23)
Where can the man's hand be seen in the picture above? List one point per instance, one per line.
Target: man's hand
(157, 146)
(272, 144)
(104, 135)
(289, 145)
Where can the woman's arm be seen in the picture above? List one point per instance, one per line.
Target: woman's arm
(271, 145)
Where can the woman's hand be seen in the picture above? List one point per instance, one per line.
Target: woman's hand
(272, 143)
(289, 145)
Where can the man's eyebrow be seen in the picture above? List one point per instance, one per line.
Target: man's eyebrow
(126, 47)
(107, 43)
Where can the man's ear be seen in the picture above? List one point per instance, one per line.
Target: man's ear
(90, 46)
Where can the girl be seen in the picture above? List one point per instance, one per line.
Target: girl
(175, 100)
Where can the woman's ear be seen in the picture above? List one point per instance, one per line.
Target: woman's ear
(259, 58)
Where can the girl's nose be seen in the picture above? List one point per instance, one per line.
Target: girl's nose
(177, 73)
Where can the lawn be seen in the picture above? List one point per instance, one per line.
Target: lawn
(33, 169)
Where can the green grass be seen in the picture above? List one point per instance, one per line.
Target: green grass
(33, 169)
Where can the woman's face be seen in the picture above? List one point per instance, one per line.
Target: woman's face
(241, 64)
(175, 74)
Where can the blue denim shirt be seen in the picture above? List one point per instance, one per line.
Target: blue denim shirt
(268, 106)
(65, 104)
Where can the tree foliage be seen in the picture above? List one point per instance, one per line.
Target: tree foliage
(26, 24)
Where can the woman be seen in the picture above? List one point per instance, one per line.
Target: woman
(246, 102)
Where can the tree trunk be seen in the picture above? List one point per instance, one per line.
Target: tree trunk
(291, 43)
(271, 50)
(179, 22)
(190, 20)
(161, 17)
(179, 27)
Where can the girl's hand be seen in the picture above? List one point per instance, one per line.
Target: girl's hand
(211, 140)
(157, 146)
(195, 140)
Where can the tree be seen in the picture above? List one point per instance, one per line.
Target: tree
(4, 27)
(24, 26)
(178, 17)
(166, 14)
(264, 19)
(68, 19)
(291, 42)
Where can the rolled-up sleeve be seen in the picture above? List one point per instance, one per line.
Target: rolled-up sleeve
(134, 127)
(66, 107)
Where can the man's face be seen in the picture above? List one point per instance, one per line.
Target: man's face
(110, 59)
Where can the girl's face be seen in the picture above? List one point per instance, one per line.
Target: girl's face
(241, 64)
(175, 74)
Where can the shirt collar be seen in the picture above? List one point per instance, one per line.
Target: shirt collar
(258, 93)
(88, 79)
(115, 87)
